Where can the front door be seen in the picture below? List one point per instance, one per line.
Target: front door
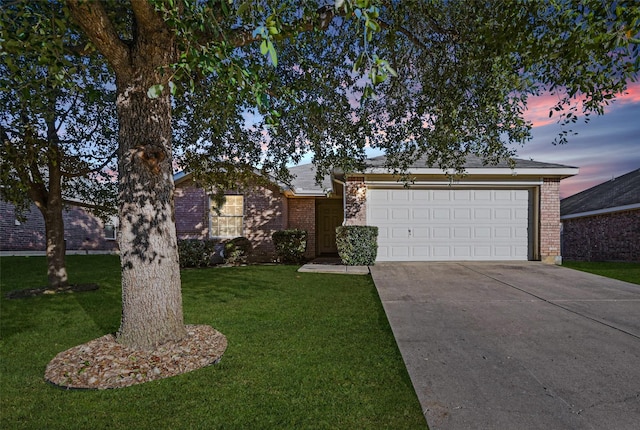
(329, 216)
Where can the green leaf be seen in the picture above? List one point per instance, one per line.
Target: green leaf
(264, 48)
(155, 91)
(273, 54)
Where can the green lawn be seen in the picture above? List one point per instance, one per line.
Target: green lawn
(305, 351)
(629, 272)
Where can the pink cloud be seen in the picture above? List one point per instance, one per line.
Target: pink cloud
(538, 107)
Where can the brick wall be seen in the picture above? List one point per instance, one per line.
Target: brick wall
(191, 211)
(356, 201)
(550, 221)
(607, 237)
(302, 215)
(82, 232)
(264, 211)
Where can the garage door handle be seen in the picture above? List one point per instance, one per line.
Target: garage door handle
(409, 232)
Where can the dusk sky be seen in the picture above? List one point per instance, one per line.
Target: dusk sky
(608, 146)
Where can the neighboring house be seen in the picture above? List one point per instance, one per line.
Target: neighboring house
(83, 231)
(491, 213)
(603, 222)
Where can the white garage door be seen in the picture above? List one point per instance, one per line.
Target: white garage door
(450, 224)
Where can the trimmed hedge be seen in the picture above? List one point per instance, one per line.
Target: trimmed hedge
(204, 253)
(357, 244)
(290, 245)
(198, 253)
(237, 250)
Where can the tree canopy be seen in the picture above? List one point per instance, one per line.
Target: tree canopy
(448, 78)
(57, 123)
(222, 85)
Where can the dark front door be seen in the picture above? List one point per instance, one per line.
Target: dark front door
(329, 216)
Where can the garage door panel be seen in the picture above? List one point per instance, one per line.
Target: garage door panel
(421, 252)
(400, 233)
(440, 225)
(440, 233)
(420, 213)
(462, 214)
(501, 232)
(400, 195)
(521, 214)
(481, 195)
(502, 214)
(421, 233)
(462, 233)
(482, 233)
(482, 214)
(400, 214)
(461, 251)
(399, 251)
(379, 214)
(441, 214)
(464, 195)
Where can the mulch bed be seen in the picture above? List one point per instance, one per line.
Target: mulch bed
(103, 363)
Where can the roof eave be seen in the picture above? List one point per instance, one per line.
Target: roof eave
(601, 211)
(561, 172)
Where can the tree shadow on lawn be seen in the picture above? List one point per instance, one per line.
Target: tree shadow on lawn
(226, 284)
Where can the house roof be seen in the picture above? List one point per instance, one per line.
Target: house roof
(474, 162)
(304, 175)
(304, 181)
(475, 165)
(618, 193)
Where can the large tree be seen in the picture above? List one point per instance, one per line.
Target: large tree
(57, 125)
(261, 82)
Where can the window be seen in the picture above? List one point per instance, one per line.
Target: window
(110, 232)
(227, 222)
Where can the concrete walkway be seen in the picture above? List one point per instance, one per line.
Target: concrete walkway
(335, 268)
(516, 345)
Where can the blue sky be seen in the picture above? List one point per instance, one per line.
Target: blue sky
(608, 146)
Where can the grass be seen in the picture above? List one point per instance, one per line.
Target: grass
(305, 351)
(629, 272)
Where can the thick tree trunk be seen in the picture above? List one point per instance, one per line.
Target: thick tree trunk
(151, 294)
(56, 247)
(49, 201)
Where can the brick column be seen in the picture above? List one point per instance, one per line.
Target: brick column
(302, 215)
(550, 221)
(356, 201)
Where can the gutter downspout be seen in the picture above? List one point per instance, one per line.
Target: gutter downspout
(344, 200)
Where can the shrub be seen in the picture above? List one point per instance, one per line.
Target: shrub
(290, 245)
(237, 250)
(357, 244)
(198, 253)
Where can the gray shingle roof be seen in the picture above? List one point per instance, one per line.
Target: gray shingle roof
(304, 180)
(473, 162)
(621, 191)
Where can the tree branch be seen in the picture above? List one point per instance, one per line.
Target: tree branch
(84, 172)
(94, 21)
(146, 16)
(87, 205)
(325, 14)
(409, 35)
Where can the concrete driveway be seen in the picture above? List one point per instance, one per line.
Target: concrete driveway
(516, 345)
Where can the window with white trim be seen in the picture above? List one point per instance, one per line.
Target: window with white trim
(110, 232)
(227, 222)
